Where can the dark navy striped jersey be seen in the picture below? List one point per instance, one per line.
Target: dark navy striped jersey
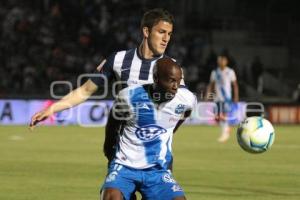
(129, 67)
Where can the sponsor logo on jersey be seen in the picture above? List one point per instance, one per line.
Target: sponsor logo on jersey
(149, 132)
(176, 188)
(111, 177)
(179, 109)
(167, 178)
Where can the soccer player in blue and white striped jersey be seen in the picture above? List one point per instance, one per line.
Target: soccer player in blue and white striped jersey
(146, 117)
(221, 81)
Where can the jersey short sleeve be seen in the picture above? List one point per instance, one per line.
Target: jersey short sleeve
(188, 99)
(193, 102)
(104, 72)
(213, 76)
(232, 76)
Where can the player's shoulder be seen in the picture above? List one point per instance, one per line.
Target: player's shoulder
(183, 90)
(124, 51)
(121, 54)
(214, 71)
(229, 69)
(185, 95)
(132, 91)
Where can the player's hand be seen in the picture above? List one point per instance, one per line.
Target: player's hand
(99, 68)
(38, 117)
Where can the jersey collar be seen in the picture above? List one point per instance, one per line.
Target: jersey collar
(142, 58)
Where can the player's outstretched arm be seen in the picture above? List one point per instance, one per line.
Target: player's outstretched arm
(72, 99)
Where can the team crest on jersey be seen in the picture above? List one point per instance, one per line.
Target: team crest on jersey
(149, 132)
(179, 109)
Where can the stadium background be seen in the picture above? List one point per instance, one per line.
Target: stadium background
(44, 41)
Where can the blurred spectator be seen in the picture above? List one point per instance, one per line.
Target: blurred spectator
(256, 73)
(231, 60)
(296, 94)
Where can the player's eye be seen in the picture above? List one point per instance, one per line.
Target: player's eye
(172, 80)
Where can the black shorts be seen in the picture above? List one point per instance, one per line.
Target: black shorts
(222, 107)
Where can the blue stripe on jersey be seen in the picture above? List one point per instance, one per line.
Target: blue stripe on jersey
(168, 157)
(143, 106)
(144, 71)
(144, 109)
(220, 83)
(126, 64)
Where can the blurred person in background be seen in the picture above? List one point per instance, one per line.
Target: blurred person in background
(219, 89)
(257, 74)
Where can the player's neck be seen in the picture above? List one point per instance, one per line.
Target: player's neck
(222, 68)
(145, 51)
(156, 95)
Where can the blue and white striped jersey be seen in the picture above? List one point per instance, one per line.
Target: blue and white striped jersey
(145, 140)
(129, 67)
(223, 80)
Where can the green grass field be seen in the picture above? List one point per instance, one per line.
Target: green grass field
(66, 163)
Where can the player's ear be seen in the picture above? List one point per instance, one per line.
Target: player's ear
(146, 32)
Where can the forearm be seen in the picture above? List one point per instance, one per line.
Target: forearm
(111, 132)
(209, 94)
(179, 123)
(74, 98)
(236, 92)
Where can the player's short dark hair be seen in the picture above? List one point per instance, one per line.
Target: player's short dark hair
(224, 55)
(152, 17)
(164, 62)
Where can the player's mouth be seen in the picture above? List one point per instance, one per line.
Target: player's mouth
(163, 45)
(172, 91)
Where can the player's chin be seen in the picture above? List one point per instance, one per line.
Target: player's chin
(160, 51)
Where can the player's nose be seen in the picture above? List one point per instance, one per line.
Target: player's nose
(166, 38)
(175, 87)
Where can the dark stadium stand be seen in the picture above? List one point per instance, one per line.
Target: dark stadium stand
(43, 41)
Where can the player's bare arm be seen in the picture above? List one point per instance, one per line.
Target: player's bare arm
(235, 91)
(111, 132)
(180, 122)
(209, 91)
(117, 117)
(72, 99)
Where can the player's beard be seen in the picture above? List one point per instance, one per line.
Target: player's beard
(152, 49)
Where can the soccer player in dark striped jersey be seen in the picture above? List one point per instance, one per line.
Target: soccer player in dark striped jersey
(133, 66)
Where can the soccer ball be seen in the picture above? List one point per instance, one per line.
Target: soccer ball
(255, 135)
